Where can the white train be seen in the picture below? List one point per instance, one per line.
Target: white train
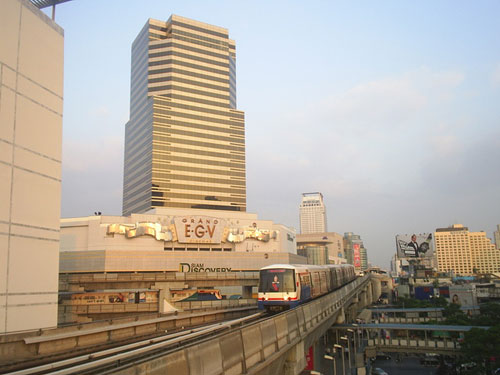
(284, 286)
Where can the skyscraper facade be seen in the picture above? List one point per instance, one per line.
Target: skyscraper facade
(31, 106)
(185, 140)
(312, 213)
(464, 252)
(355, 251)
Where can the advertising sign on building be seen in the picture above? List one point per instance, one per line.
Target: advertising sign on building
(199, 229)
(310, 359)
(415, 245)
(462, 296)
(357, 255)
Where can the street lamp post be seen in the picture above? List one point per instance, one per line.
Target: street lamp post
(337, 346)
(354, 344)
(331, 358)
(348, 350)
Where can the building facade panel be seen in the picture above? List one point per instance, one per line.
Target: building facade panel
(9, 25)
(38, 128)
(31, 77)
(37, 52)
(7, 110)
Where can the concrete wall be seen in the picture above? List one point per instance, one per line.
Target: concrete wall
(31, 105)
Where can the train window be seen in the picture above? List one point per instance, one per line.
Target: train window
(305, 280)
(277, 280)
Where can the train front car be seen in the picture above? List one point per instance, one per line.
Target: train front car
(278, 288)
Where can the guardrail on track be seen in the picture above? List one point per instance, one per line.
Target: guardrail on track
(155, 276)
(31, 346)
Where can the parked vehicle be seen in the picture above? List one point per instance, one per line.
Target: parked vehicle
(378, 371)
(383, 357)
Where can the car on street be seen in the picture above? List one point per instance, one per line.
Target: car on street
(382, 357)
(378, 371)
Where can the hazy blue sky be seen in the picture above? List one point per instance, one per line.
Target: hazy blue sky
(390, 108)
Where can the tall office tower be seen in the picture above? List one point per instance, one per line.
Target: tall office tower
(312, 213)
(185, 140)
(464, 252)
(497, 237)
(31, 105)
(355, 250)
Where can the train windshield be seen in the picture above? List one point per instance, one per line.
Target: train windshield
(277, 280)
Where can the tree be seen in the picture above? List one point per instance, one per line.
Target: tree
(482, 347)
(454, 316)
(490, 315)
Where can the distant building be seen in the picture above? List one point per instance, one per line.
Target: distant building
(321, 248)
(185, 140)
(31, 106)
(312, 214)
(355, 251)
(465, 253)
(395, 266)
(497, 237)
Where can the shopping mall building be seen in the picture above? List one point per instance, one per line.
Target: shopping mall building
(171, 239)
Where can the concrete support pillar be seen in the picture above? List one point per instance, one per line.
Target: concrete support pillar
(164, 304)
(295, 360)
(360, 363)
(246, 292)
(362, 300)
(377, 289)
(340, 317)
(369, 294)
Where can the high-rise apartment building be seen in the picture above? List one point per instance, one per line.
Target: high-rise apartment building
(312, 213)
(464, 252)
(496, 234)
(31, 106)
(185, 140)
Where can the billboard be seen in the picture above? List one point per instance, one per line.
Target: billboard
(415, 245)
(462, 296)
(357, 255)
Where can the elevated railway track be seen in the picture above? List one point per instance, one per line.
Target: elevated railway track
(254, 344)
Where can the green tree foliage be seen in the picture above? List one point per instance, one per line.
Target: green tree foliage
(454, 316)
(482, 347)
(489, 316)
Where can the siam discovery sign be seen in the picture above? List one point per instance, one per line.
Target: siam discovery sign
(200, 267)
(199, 229)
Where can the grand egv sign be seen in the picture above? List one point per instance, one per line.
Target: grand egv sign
(199, 229)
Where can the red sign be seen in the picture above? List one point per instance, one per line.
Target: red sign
(310, 359)
(357, 255)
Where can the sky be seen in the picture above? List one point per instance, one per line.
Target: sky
(390, 108)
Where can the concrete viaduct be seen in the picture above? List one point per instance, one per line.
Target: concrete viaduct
(275, 345)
